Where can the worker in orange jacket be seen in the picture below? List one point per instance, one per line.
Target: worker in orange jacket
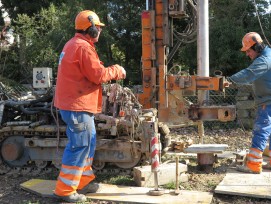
(78, 96)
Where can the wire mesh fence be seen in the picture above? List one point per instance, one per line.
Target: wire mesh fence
(242, 97)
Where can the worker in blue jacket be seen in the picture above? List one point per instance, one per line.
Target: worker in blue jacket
(259, 75)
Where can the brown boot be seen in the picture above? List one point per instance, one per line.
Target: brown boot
(245, 169)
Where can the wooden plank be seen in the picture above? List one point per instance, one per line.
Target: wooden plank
(206, 148)
(225, 154)
(245, 184)
(44, 188)
(124, 194)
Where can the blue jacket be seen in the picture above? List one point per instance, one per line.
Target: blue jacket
(259, 75)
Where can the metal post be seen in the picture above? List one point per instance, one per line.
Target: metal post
(177, 190)
(155, 164)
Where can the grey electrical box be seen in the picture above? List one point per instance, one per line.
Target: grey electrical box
(42, 77)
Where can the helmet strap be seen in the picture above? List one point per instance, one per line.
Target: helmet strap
(84, 32)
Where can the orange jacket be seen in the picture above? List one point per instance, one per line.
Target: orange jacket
(80, 75)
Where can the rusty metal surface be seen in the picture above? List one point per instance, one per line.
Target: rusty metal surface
(211, 113)
(12, 151)
(192, 83)
(206, 158)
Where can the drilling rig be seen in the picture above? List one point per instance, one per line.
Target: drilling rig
(32, 134)
(165, 88)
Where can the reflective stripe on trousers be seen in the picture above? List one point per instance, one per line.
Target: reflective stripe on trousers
(254, 160)
(76, 170)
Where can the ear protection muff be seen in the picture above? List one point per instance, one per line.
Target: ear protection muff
(92, 30)
(258, 47)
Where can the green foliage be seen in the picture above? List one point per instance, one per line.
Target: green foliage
(121, 39)
(227, 27)
(45, 26)
(2, 21)
(125, 180)
(9, 82)
(37, 42)
(170, 185)
(41, 39)
(122, 180)
(43, 34)
(229, 21)
(28, 7)
(9, 64)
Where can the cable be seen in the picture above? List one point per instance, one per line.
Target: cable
(260, 23)
(189, 34)
(56, 119)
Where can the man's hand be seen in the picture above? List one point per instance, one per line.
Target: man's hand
(228, 82)
(123, 72)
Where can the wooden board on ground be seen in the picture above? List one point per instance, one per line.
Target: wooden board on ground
(245, 184)
(44, 188)
(124, 194)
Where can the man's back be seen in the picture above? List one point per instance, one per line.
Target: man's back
(262, 85)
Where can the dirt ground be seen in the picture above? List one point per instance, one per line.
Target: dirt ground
(237, 139)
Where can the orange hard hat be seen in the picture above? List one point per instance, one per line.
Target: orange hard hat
(249, 40)
(82, 21)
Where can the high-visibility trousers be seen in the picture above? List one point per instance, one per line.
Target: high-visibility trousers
(261, 134)
(76, 170)
(254, 160)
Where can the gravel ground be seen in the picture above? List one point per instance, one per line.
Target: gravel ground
(11, 193)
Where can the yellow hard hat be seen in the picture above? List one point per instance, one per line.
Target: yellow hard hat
(82, 20)
(250, 39)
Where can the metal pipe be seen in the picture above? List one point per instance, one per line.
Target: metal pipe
(2, 106)
(147, 5)
(36, 124)
(203, 43)
(19, 123)
(181, 5)
(202, 53)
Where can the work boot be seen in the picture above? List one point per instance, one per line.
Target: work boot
(90, 188)
(266, 166)
(246, 169)
(73, 198)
